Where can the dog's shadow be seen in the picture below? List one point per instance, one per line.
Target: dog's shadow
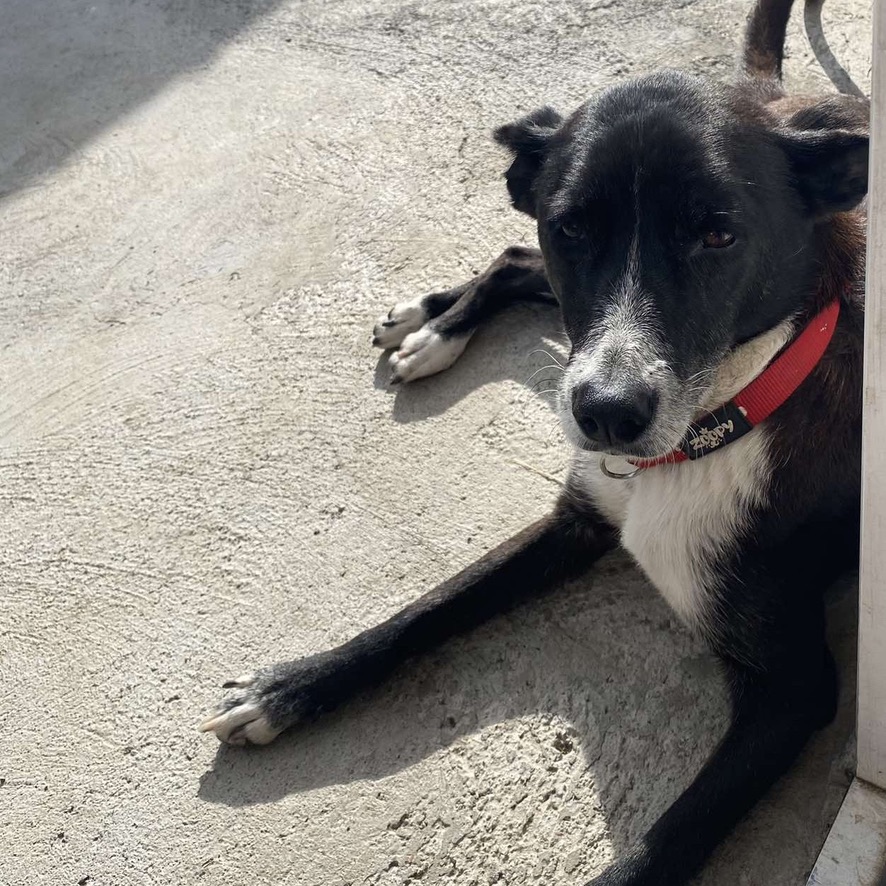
(627, 695)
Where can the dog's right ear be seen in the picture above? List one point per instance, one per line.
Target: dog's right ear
(528, 140)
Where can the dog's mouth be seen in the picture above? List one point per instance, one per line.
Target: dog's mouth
(639, 450)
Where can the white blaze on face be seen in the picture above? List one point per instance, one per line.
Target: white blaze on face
(624, 348)
(623, 341)
(624, 345)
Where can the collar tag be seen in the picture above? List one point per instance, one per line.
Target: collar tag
(722, 426)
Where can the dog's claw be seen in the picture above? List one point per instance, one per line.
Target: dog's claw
(210, 723)
(239, 682)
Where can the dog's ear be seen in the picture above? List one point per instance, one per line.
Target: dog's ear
(528, 140)
(830, 168)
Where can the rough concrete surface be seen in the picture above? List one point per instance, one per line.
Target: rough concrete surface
(205, 205)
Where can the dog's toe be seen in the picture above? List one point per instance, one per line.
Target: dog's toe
(402, 319)
(244, 722)
(424, 353)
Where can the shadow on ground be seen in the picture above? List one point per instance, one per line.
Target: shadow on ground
(72, 68)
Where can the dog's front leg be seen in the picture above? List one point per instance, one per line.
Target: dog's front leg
(561, 545)
(783, 687)
(429, 333)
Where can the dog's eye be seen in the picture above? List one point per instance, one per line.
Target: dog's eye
(570, 230)
(717, 239)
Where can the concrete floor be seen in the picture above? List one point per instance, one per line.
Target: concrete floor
(205, 205)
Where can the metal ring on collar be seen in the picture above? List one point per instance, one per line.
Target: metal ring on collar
(615, 475)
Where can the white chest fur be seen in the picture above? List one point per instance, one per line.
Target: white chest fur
(681, 521)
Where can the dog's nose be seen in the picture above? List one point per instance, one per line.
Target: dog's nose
(613, 417)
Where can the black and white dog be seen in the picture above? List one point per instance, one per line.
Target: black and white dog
(706, 246)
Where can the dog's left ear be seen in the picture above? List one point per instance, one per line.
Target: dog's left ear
(830, 168)
(528, 140)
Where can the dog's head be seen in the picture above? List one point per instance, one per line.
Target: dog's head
(677, 222)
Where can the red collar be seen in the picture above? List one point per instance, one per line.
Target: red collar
(755, 403)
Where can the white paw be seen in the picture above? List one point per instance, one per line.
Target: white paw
(425, 352)
(406, 317)
(243, 720)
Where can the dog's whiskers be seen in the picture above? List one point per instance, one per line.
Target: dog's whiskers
(543, 368)
(547, 354)
(548, 379)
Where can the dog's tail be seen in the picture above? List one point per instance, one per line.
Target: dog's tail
(765, 37)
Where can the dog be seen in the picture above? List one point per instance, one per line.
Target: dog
(705, 243)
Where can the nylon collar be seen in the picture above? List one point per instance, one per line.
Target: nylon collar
(773, 387)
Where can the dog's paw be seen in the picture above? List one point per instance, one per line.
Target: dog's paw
(290, 692)
(244, 718)
(406, 317)
(424, 353)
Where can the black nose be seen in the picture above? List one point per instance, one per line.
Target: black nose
(613, 416)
